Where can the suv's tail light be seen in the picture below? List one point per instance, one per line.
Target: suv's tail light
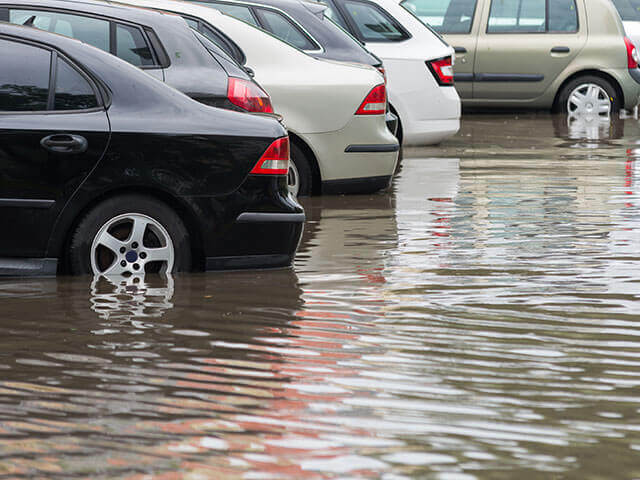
(375, 103)
(632, 54)
(275, 161)
(248, 96)
(442, 70)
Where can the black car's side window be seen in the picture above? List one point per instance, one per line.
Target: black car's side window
(24, 77)
(373, 23)
(27, 83)
(73, 91)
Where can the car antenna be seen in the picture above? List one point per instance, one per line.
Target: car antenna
(29, 21)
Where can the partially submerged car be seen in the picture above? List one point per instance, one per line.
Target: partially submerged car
(98, 177)
(335, 112)
(569, 55)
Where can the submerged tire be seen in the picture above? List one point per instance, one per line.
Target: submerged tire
(130, 234)
(300, 178)
(589, 95)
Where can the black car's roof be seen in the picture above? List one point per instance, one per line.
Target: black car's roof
(336, 43)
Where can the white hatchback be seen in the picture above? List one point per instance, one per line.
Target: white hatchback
(418, 62)
(334, 111)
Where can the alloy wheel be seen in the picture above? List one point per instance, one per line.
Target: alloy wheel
(589, 99)
(130, 244)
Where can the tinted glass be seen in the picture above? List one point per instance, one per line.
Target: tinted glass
(332, 14)
(73, 92)
(286, 31)
(225, 44)
(444, 16)
(90, 30)
(517, 16)
(24, 77)
(374, 24)
(629, 10)
(192, 23)
(132, 47)
(563, 16)
(237, 11)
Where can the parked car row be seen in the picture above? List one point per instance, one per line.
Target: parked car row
(176, 137)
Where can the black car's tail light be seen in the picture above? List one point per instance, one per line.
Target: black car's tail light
(375, 103)
(442, 70)
(248, 96)
(275, 161)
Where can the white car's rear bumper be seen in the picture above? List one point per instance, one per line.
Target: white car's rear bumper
(361, 157)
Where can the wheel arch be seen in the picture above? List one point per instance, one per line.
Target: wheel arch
(316, 187)
(63, 231)
(400, 132)
(587, 72)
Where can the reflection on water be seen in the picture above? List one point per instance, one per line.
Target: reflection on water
(479, 322)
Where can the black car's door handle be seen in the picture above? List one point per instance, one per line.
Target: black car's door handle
(560, 50)
(459, 49)
(65, 143)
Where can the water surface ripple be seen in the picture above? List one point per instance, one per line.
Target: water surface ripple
(479, 322)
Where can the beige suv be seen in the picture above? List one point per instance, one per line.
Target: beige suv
(569, 55)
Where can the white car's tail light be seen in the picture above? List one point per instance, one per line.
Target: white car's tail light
(632, 54)
(248, 96)
(275, 160)
(375, 103)
(442, 70)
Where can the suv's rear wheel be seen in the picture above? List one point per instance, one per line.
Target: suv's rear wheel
(589, 95)
(127, 235)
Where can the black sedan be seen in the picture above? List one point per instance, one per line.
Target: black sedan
(106, 170)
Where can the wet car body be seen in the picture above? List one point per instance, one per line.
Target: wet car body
(162, 45)
(58, 164)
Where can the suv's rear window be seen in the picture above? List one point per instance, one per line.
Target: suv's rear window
(373, 23)
(629, 10)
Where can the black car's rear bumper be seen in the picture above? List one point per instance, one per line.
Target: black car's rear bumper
(260, 226)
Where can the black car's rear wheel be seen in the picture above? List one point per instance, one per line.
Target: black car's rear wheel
(127, 235)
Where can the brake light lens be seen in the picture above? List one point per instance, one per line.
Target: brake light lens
(248, 96)
(632, 54)
(442, 70)
(275, 161)
(375, 103)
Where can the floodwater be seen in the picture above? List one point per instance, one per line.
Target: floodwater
(481, 321)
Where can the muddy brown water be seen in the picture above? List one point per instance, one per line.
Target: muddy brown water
(481, 321)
